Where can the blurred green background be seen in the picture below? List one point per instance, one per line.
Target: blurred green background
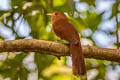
(27, 19)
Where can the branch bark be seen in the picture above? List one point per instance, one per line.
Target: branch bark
(57, 49)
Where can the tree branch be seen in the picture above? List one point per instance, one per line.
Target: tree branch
(57, 49)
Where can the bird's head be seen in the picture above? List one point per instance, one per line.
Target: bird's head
(57, 16)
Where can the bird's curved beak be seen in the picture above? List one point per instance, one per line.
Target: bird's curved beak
(49, 14)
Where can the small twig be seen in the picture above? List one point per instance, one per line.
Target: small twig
(21, 16)
(117, 26)
(13, 24)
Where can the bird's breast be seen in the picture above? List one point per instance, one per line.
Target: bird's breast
(59, 31)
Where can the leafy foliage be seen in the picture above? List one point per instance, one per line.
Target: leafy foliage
(31, 15)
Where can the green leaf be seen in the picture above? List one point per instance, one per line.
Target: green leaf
(43, 61)
(10, 67)
(59, 2)
(113, 11)
(78, 23)
(71, 3)
(23, 73)
(17, 3)
(93, 20)
(2, 12)
(102, 70)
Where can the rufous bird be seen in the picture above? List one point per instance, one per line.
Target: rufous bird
(65, 30)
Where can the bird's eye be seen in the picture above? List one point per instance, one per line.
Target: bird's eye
(56, 14)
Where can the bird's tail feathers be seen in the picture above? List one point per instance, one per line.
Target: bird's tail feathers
(78, 63)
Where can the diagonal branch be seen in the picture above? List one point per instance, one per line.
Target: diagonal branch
(57, 49)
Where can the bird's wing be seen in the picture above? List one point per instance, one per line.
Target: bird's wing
(66, 30)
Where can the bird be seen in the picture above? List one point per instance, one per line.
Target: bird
(64, 29)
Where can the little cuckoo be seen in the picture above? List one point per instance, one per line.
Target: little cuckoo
(65, 30)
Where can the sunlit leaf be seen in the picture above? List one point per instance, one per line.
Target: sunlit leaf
(43, 61)
(59, 2)
(114, 10)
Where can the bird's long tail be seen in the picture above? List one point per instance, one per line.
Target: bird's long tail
(78, 63)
